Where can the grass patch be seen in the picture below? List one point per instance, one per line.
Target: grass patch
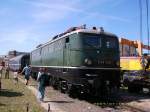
(16, 97)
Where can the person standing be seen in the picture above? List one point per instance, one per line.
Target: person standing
(7, 73)
(15, 77)
(27, 71)
(38, 77)
(1, 71)
(0, 83)
(42, 77)
(39, 73)
(0, 78)
(144, 62)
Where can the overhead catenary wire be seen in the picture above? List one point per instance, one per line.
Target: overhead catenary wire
(141, 32)
(147, 15)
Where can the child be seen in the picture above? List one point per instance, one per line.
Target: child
(15, 77)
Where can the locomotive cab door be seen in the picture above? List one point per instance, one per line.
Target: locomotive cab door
(66, 54)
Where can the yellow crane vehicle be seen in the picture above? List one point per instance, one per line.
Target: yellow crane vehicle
(134, 65)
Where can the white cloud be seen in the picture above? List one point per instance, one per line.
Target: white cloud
(110, 17)
(55, 6)
(16, 36)
(21, 40)
(94, 16)
(51, 11)
(29, 29)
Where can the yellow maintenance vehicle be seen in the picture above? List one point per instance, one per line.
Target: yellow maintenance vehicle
(134, 65)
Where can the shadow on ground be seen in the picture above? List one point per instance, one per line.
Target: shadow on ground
(9, 93)
(2, 104)
(120, 98)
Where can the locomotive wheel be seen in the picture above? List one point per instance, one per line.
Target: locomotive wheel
(34, 75)
(125, 82)
(51, 81)
(134, 89)
(72, 91)
(63, 86)
(60, 86)
(55, 84)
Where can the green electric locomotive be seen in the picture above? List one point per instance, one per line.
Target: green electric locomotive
(80, 60)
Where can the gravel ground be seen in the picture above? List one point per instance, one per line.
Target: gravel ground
(128, 102)
(69, 104)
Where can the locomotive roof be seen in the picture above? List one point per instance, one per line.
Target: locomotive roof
(92, 31)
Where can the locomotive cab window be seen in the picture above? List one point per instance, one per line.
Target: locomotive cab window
(110, 42)
(67, 40)
(92, 41)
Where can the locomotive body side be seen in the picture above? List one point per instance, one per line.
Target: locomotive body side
(85, 60)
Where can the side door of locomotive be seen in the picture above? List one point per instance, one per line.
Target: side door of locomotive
(66, 54)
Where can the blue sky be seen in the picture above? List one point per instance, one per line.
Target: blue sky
(26, 23)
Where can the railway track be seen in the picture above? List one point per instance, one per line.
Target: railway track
(133, 108)
(126, 102)
(122, 103)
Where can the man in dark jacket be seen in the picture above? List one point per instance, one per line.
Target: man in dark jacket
(42, 77)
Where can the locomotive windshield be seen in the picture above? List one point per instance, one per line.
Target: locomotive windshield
(110, 42)
(92, 41)
(98, 41)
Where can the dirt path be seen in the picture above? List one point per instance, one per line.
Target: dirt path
(63, 103)
(46, 105)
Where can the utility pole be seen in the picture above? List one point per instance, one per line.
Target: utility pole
(147, 14)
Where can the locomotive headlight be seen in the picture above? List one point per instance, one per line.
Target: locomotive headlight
(107, 82)
(88, 61)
